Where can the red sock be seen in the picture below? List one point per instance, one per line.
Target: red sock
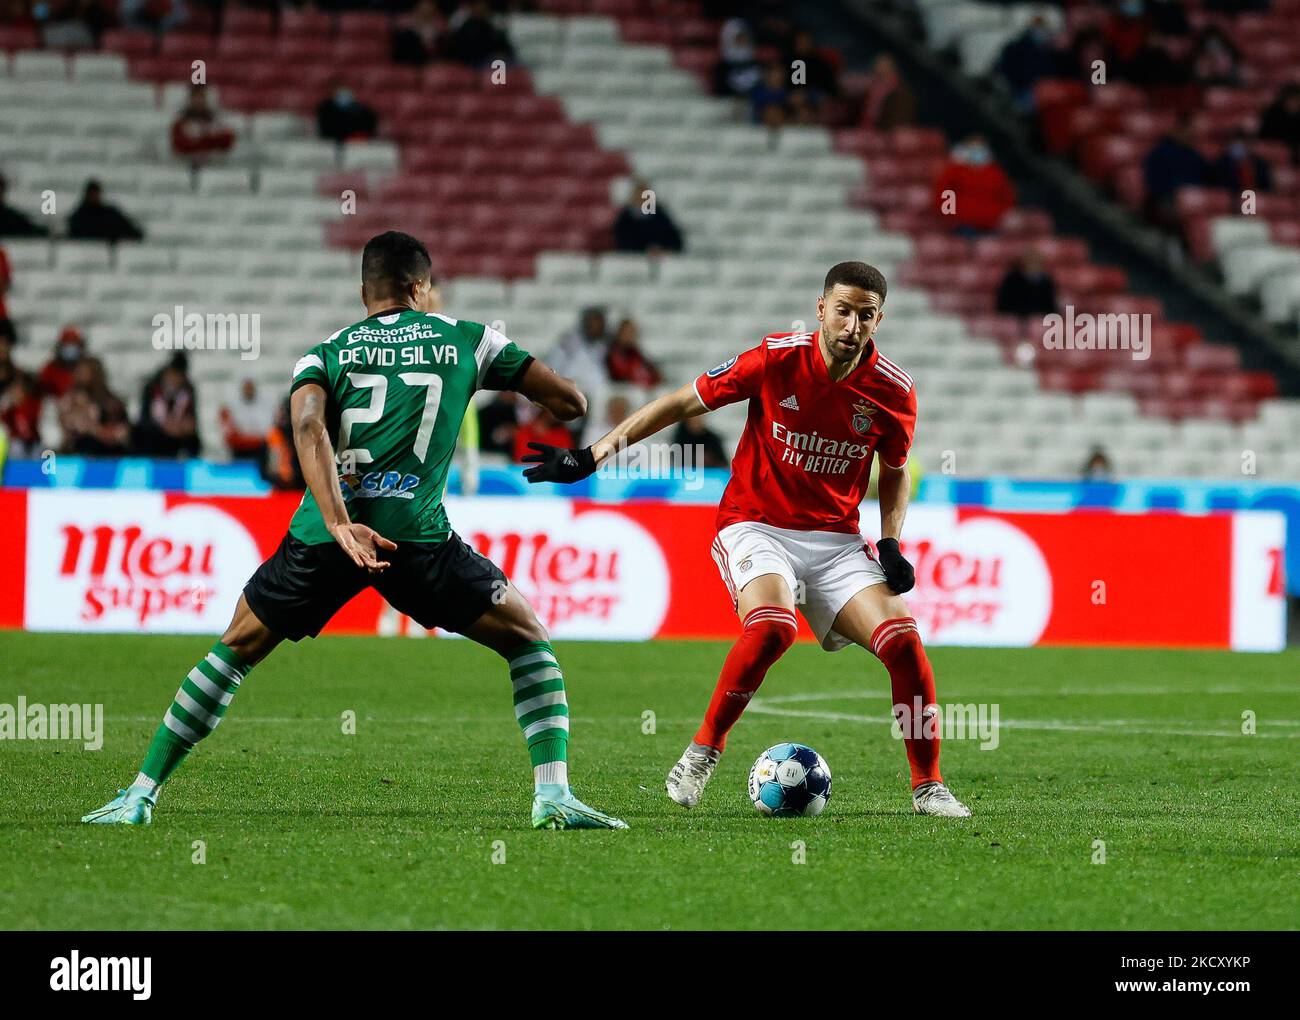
(898, 645)
(769, 631)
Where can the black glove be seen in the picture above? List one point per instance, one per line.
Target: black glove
(554, 464)
(899, 574)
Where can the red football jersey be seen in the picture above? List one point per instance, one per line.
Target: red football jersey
(804, 459)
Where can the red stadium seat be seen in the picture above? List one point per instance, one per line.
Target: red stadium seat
(305, 23)
(130, 42)
(187, 45)
(18, 37)
(245, 46)
(243, 20)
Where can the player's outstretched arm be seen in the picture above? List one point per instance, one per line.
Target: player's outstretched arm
(543, 385)
(895, 492)
(316, 456)
(552, 464)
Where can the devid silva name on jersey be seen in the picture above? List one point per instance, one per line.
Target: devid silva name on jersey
(388, 357)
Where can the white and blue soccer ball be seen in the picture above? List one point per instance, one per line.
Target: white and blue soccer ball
(790, 780)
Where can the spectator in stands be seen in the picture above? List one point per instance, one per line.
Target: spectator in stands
(1163, 66)
(1215, 58)
(20, 414)
(626, 362)
(1240, 169)
(154, 15)
(341, 117)
(1027, 289)
(6, 279)
(972, 189)
(580, 355)
(770, 98)
(1168, 17)
(643, 225)
(57, 375)
(888, 102)
(280, 466)
(245, 421)
(198, 134)
(168, 425)
(8, 370)
(1085, 50)
(96, 220)
(72, 24)
(1098, 467)
(1027, 59)
(540, 427)
(819, 78)
(1174, 162)
(1280, 121)
(417, 34)
(93, 419)
(1125, 33)
(694, 432)
(14, 223)
(737, 72)
(497, 421)
(473, 38)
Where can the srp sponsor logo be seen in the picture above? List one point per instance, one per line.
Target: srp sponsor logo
(380, 485)
(588, 573)
(128, 562)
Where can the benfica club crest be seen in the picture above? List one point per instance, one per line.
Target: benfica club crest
(862, 419)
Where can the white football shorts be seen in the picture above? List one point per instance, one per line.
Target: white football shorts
(824, 569)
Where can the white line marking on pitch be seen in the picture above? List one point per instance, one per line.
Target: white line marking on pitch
(773, 706)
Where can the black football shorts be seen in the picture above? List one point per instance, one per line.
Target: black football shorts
(443, 584)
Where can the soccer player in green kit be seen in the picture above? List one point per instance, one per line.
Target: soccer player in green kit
(376, 411)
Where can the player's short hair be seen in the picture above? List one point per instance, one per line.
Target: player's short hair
(856, 274)
(392, 261)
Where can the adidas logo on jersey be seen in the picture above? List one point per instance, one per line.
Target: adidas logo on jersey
(791, 403)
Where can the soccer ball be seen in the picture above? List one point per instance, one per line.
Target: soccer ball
(789, 780)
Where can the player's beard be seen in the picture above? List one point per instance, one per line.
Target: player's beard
(846, 355)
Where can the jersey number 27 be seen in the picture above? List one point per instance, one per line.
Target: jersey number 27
(378, 386)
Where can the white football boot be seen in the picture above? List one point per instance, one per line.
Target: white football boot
(687, 779)
(937, 799)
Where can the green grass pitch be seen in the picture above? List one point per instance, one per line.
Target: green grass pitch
(397, 826)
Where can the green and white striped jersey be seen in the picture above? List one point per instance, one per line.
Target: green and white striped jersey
(398, 385)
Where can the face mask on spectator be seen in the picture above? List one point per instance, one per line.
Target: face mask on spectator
(343, 97)
(1132, 8)
(69, 352)
(978, 155)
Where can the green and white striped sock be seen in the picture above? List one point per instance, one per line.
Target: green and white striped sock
(196, 711)
(542, 710)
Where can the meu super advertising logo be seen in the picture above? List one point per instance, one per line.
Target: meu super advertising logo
(589, 573)
(979, 581)
(128, 562)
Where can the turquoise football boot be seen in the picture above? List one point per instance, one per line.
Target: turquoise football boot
(132, 806)
(555, 807)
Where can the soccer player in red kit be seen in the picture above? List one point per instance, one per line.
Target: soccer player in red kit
(821, 406)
